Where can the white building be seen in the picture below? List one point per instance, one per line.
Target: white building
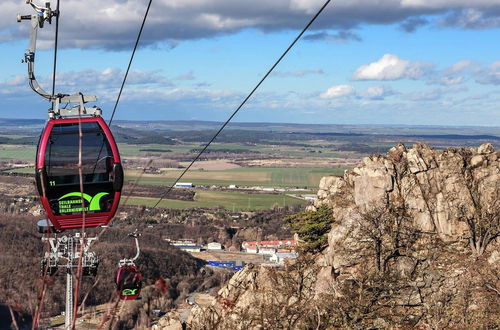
(280, 257)
(251, 249)
(214, 246)
(267, 250)
(189, 248)
(183, 185)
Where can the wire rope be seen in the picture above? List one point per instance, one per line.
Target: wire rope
(130, 63)
(79, 268)
(245, 100)
(40, 303)
(55, 53)
(125, 76)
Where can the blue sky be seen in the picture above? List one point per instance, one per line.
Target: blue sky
(363, 62)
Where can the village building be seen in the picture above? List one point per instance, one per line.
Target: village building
(267, 250)
(184, 185)
(280, 257)
(288, 244)
(251, 248)
(189, 248)
(214, 246)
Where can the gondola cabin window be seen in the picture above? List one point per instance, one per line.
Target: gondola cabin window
(63, 174)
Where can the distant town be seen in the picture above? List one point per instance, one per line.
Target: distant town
(273, 252)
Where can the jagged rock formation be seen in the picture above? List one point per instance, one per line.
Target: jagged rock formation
(437, 186)
(414, 243)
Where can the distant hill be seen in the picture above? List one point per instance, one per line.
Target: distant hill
(190, 125)
(349, 137)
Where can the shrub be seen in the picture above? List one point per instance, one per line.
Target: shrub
(312, 228)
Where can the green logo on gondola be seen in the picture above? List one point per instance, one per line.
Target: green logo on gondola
(75, 205)
(129, 292)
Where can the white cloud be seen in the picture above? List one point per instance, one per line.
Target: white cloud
(18, 80)
(337, 91)
(376, 92)
(449, 81)
(438, 4)
(113, 24)
(471, 18)
(108, 78)
(460, 66)
(434, 94)
(186, 76)
(18, 84)
(339, 37)
(453, 75)
(390, 67)
(464, 70)
(104, 84)
(298, 73)
(489, 75)
(309, 6)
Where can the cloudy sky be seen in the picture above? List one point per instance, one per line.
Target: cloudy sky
(425, 62)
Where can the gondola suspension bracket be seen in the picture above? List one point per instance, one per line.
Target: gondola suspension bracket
(45, 14)
(130, 262)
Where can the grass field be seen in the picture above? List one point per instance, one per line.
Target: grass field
(24, 170)
(269, 177)
(132, 150)
(244, 176)
(17, 152)
(229, 200)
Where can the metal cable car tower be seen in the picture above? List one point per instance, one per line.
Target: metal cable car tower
(64, 254)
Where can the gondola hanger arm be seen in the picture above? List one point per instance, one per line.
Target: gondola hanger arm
(135, 235)
(37, 21)
(45, 14)
(130, 262)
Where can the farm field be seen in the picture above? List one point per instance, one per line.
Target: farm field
(23, 170)
(229, 200)
(268, 177)
(253, 155)
(17, 152)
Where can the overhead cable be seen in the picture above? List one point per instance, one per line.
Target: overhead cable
(244, 101)
(130, 63)
(55, 53)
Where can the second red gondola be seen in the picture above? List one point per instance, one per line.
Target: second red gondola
(128, 282)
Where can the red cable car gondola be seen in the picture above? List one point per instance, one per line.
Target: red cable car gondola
(128, 282)
(58, 175)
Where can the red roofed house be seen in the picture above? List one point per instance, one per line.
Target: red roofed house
(267, 246)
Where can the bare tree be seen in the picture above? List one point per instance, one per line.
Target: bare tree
(483, 217)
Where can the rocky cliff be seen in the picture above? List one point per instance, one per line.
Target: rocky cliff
(414, 243)
(450, 194)
(439, 187)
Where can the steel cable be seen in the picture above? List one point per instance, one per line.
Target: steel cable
(39, 307)
(244, 101)
(130, 63)
(55, 53)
